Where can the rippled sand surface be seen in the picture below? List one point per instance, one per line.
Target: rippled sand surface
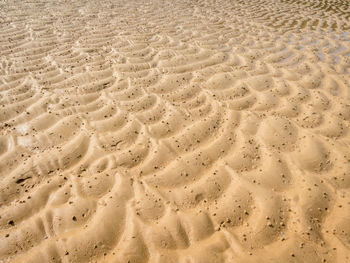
(174, 131)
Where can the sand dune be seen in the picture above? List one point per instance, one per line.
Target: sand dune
(174, 131)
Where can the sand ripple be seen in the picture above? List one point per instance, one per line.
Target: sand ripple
(174, 131)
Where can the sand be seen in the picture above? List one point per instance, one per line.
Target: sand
(174, 131)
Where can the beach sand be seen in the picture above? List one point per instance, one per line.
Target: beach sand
(174, 131)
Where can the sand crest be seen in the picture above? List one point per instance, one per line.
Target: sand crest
(174, 131)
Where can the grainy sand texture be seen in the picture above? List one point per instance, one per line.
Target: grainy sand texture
(174, 131)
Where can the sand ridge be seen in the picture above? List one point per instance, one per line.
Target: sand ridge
(174, 131)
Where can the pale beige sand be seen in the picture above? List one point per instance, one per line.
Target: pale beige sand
(174, 131)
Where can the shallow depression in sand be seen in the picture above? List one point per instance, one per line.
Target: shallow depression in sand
(174, 131)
